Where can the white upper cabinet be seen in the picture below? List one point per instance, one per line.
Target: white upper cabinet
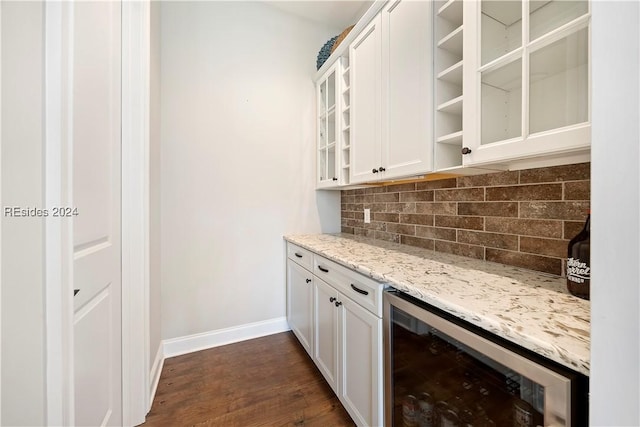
(391, 78)
(526, 80)
(329, 143)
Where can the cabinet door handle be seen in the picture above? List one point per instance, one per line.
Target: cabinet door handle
(466, 150)
(332, 299)
(298, 255)
(381, 169)
(321, 268)
(338, 303)
(334, 178)
(308, 280)
(374, 170)
(358, 290)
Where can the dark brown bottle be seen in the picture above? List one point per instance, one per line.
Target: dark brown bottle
(578, 263)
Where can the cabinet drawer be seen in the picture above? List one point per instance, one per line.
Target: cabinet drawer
(300, 255)
(361, 289)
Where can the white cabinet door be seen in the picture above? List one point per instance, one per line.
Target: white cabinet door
(300, 304)
(526, 80)
(329, 125)
(361, 375)
(364, 58)
(326, 332)
(407, 146)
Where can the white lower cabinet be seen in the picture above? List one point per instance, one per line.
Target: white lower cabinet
(300, 303)
(361, 380)
(336, 314)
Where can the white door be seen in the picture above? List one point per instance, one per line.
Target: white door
(325, 348)
(364, 58)
(300, 304)
(96, 135)
(407, 146)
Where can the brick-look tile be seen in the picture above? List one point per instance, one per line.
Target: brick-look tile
(442, 208)
(492, 240)
(505, 209)
(348, 214)
(376, 190)
(441, 183)
(348, 230)
(532, 262)
(363, 198)
(386, 217)
(347, 199)
(378, 207)
(398, 188)
(349, 222)
(416, 241)
(490, 179)
(555, 210)
(548, 247)
(348, 192)
(460, 249)
(466, 222)
(575, 172)
(420, 219)
(408, 229)
(376, 225)
(577, 190)
(386, 197)
(417, 196)
(349, 207)
(364, 232)
(459, 194)
(358, 215)
(572, 228)
(525, 192)
(436, 233)
(389, 237)
(524, 227)
(401, 207)
(360, 191)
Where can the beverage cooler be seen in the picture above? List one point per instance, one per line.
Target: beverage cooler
(441, 371)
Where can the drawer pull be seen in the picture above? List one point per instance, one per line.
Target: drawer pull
(332, 299)
(308, 280)
(298, 255)
(338, 303)
(358, 290)
(326, 270)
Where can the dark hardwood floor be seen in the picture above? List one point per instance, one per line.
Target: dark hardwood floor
(269, 381)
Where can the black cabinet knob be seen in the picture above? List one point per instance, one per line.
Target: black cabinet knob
(466, 150)
(332, 299)
(338, 303)
(381, 169)
(334, 178)
(308, 280)
(374, 170)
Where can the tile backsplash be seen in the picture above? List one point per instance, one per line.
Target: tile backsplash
(523, 218)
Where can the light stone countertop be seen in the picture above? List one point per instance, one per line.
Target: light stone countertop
(533, 310)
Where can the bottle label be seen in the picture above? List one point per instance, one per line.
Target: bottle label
(578, 271)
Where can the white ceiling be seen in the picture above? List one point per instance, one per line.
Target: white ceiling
(339, 14)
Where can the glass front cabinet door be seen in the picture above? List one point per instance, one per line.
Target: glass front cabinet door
(528, 78)
(327, 170)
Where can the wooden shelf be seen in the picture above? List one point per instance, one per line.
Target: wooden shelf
(453, 106)
(452, 42)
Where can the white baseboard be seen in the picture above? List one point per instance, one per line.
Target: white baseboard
(154, 375)
(190, 343)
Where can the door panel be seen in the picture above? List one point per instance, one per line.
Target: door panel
(300, 304)
(326, 332)
(96, 135)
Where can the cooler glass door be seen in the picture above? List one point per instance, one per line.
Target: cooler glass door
(441, 374)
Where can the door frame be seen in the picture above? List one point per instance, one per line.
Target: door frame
(135, 213)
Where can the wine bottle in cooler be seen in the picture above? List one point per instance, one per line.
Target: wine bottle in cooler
(578, 263)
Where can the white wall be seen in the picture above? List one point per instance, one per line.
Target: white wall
(615, 285)
(155, 302)
(236, 161)
(23, 346)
